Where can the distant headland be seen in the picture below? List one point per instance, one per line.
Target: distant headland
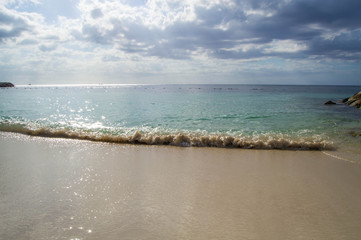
(6, 84)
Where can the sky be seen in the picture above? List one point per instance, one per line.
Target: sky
(180, 41)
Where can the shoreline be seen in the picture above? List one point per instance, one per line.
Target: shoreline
(61, 188)
(182, 139)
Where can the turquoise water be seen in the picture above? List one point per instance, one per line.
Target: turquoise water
(245, 116)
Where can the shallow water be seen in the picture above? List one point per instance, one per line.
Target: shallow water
(245, 116)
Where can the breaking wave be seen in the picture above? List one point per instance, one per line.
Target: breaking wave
(182, 139)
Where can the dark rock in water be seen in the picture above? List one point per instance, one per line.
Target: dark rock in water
(355, 100)
(329, 103)
(6, 84)
(345, 100)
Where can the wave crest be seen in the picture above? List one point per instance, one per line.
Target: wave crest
(180, 139)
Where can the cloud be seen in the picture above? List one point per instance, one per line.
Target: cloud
(223, 29)
(92, 33)
(179, 36)
(110, 58)
(96, 13)
(47, 48)
(11, 25)
(345, 41)
(330, 14)
(28, 42)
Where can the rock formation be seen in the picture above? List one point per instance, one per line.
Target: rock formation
(329, 103)
(355, 100)
(6, 84)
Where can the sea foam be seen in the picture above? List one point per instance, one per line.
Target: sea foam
(181, 139)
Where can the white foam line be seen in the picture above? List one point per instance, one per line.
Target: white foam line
(341, 158)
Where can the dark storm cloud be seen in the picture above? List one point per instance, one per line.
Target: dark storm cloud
(327, 28)
(330, 14)
(219, 14)
(305, 20)
(11, 26)
(344, 46)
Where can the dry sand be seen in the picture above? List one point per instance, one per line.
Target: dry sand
(70, 189)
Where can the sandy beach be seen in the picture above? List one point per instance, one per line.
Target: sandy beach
(69, 189)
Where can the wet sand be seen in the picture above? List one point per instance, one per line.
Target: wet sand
(71, 189)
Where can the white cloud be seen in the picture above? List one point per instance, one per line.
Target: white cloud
(285, 46)
(18, 3)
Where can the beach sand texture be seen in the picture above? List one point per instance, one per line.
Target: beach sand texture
(70, 189)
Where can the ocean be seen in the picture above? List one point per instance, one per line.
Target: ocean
(229, 116)
(205, 184)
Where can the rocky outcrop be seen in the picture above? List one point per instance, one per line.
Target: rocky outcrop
(6, 84)
(330, 103)
(355, 100)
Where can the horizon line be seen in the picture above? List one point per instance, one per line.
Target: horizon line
(175, 84)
